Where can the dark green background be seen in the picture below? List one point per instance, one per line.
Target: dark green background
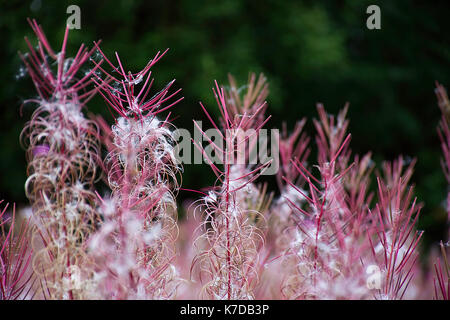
(310, 51)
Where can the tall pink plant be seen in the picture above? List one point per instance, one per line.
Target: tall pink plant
(323, 257)
(328, 246)
(396, 246)
(62, 152)
(134, 248)
(231, 238)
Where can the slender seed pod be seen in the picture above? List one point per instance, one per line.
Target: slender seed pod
(442, 270)
(17, 280)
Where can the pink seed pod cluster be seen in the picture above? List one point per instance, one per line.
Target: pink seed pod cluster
(134, 248)
(333, 237)
(17, 280)
(292, 146)
(322, 246)
(62, 152)
(232, 233)
(335, 228)
(396, 240)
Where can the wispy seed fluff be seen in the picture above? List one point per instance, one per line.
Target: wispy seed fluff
(232, 236)
(62, 150)
(135, 246)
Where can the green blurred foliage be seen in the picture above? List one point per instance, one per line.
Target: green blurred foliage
(310, 52)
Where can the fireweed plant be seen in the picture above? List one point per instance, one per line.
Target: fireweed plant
(233, 233)
(16, 277)
(323, 243)
(134, 248)
(62, 151)
(327, 234)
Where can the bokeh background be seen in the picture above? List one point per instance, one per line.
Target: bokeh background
(310, 51)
